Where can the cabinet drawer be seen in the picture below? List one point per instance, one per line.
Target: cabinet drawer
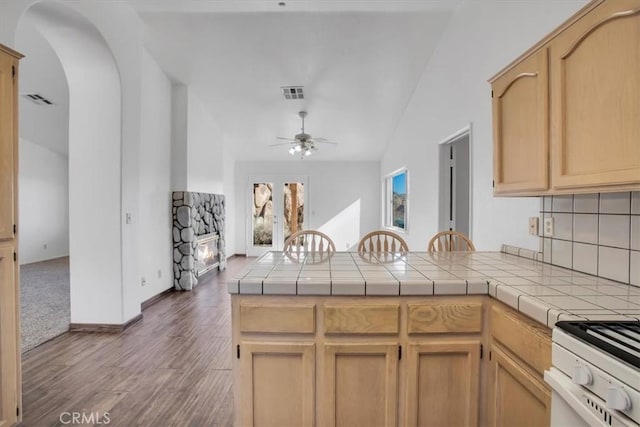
(277, 318)
(525, 338)
(444, 318)
(361, 319)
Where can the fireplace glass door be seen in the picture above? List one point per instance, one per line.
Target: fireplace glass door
(276, 210)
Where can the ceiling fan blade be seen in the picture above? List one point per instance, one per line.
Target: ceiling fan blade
(281, 143)
(325, 141)
(286, 139)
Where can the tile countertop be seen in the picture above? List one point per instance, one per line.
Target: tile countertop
(543, 292)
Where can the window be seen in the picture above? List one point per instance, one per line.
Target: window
(395, 200)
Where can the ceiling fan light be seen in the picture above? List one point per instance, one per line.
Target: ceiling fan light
(297, 148)
(307, 152)
(292, 151)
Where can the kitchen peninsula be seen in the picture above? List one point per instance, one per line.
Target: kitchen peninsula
(397, 339)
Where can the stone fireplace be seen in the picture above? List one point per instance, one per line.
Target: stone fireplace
(197, 218)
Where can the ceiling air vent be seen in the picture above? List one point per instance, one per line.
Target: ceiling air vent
(36, 98)
(292, 92)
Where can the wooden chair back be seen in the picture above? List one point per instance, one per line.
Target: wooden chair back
(382, 241)
(310, 242)
(450, 241)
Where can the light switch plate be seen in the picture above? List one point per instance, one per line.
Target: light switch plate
(548, 227)
(533, 225)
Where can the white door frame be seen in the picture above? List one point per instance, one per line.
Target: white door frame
(443, 198)
(278, 182)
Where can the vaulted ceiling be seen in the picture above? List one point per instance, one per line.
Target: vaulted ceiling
(358, 61)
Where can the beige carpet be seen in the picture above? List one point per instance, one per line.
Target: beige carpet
(44, 301)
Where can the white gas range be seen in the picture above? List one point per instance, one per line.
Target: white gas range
(595, 376)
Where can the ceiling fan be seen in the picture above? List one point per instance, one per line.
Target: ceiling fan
(303, 143)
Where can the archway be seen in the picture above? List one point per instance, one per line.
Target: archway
(95, 161)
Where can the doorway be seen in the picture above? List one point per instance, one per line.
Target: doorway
(455, 183)
(276, 209)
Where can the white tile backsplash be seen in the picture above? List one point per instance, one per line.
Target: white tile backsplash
(546, 250)
(613, 263)
(585, 203)
(599, 234)
(635, 202)
(562, 253)
(562, 204)
(585, 228)
(563, 225)
(635, 232)
(585, 258)
(614, 231)
(635, 268)
(615, 203)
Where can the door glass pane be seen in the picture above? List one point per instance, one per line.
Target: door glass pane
(293, 208)
(263, 214)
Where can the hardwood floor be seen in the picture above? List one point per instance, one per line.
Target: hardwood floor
(173, 368)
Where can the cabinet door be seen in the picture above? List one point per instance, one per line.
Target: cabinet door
(595, 86)
(360, 385)
(442, 383)
(9, 338)
(277, 384)
(7, 140)
(517, 398)
(521, 127)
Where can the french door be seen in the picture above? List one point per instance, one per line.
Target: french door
(276, 209)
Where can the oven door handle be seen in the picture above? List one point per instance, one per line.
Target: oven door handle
(573, 395)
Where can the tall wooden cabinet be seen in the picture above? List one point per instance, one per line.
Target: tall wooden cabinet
(565, 114)
(10, 374)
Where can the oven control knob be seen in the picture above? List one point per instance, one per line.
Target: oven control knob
(581, 375)
(618, 399)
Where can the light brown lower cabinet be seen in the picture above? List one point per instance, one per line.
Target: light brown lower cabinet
(278, 384)
(443, 380)
(520, 352)
(357, 361)
(517, 398)
(361, 385)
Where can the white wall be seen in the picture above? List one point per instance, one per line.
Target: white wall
(205, 167)
(197, 147)
(155, 181)
(232, 211)
(342, 198)
(44, 203)
(482, 38)
(179, 136)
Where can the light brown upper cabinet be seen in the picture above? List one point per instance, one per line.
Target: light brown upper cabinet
(595, 90)
(565, 114)
(521, 126)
